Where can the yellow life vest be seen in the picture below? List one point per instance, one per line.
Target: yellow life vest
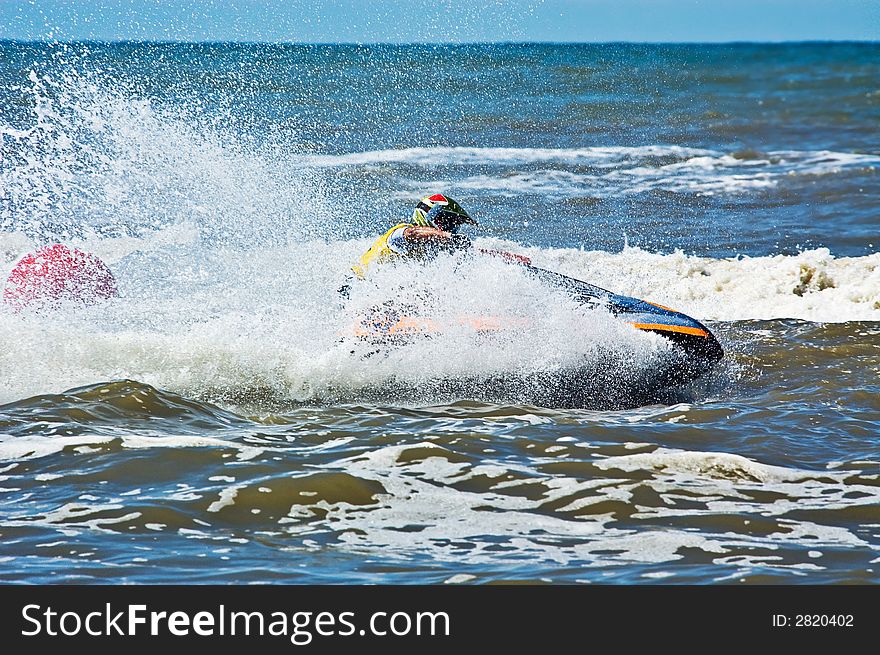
(379, 253)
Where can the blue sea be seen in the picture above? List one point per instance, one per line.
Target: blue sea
(220, 422)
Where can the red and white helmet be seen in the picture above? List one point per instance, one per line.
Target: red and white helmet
(441, 212)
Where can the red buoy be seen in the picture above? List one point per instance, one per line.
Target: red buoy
(58, 273)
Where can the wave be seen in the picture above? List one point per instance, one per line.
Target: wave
(573, 502)
(605, 171)
(435, 156)
(701, 175)
(812, 285)
(667, 155)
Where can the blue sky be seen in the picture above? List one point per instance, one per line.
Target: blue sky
(433, 21)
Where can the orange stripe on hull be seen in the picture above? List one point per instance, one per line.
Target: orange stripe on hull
(671, 328)
(668, 309)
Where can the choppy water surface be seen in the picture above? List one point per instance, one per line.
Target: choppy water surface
(220, 421)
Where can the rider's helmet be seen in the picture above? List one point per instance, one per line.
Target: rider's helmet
(441, 212)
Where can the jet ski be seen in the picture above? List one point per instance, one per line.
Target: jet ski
(695, 348)
(688, 334)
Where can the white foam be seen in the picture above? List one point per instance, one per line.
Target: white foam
(418, 492)
(812, 285)
(36, 446)
(437, 156)
(724, 466)
(78, 515)
(227, 498)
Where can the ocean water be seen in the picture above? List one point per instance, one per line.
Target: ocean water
(220, 422)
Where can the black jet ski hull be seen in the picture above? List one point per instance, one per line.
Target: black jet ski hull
(696, 342)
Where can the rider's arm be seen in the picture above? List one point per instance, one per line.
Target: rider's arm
(413, 239)
(421, 236)
(416, 240)
(399, 243)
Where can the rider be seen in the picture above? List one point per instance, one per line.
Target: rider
(433, 227)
